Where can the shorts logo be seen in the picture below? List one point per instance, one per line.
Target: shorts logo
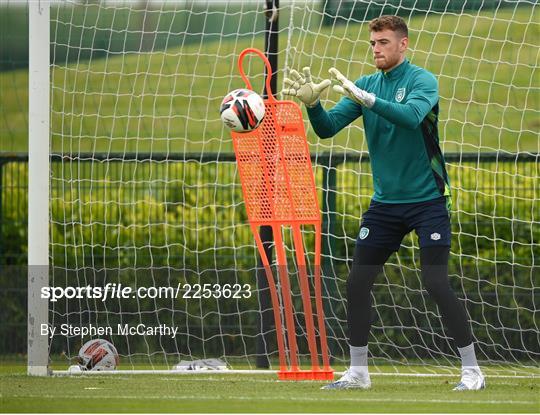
(435, 236)
(400, 94)
(364, 232)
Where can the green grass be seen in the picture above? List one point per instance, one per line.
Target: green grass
(256, 394)
(169, 101)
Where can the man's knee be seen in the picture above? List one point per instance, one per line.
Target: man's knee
(434, 264)
(437, 286)
(359, 284)
(367, 264)
(434, 256)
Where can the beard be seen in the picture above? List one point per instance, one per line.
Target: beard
(384, 63)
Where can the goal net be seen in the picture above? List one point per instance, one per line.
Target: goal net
(144, 189)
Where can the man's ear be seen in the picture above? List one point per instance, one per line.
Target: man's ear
(404, 44)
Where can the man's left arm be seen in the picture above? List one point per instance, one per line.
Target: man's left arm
(418, 103)
(423, 96)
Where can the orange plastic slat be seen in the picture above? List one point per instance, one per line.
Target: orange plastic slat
(278, 186)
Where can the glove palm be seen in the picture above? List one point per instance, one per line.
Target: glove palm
(303, 87)
(349, 89)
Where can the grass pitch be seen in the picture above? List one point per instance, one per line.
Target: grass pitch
(257, 393)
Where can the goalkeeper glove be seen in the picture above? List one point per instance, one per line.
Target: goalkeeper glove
(303, 88)
(349, 89)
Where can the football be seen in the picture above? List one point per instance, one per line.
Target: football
(98, 354)
(242, 110)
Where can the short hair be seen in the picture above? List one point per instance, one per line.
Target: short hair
(394, 23)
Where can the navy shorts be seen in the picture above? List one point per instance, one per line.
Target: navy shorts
(385, 224)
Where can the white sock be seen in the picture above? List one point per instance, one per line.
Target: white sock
(468, 357)
(359, 357)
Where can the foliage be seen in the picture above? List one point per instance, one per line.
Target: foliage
(168, 101)
(163, 222)
(112, 221)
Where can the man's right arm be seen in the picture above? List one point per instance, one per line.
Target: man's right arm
(328, 123)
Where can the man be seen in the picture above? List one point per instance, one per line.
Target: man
(399, 105)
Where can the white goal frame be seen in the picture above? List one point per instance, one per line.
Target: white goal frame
(39, 216)
(38, 183)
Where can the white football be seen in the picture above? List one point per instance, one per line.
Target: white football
(98, 354)
(242, 110)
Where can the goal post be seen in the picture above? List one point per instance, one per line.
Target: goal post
(38, 184)
(133, 183)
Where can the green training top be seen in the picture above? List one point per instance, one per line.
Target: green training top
(401, 132)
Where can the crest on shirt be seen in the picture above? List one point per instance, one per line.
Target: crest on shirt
(400, 94)
(364, 232)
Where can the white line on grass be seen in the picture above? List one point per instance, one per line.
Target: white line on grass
(266, 372)
(397, 382)
(331, 398)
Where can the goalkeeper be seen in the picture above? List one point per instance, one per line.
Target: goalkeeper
(400, 106)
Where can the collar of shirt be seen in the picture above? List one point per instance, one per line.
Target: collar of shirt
(397, 71)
